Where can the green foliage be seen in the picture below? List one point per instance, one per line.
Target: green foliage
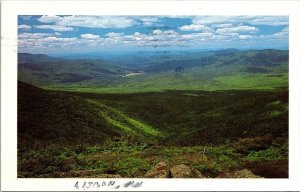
(275, 113)
(102, 123)
(125, 144)
(131, 165)
(46, 117)
(264, 155)
(256, 143)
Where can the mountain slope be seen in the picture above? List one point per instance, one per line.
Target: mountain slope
(267, 58)
(191, 118)
(44, 70)
(47, 117)
(214, 70)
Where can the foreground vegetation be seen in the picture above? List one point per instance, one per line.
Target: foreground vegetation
(75, 134)
(264, 156)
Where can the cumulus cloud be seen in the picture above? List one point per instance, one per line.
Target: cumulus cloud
(113, 34)
(203, 30)
(25, 17)
(269, 20)
(223, 25)
(25, 27)
(194, 27)
(253, 20)
(90, 21)
(245, 37)
(283, 35)
(150, 21)
(237, 29)
(54, 27)
(89, 36)
(58, 39)
(49, 19)
(33, 35)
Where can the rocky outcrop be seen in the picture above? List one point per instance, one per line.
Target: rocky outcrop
(245, 173)
(160, 170)
(181, 171)
(197, 174)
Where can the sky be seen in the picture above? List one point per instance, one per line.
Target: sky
(53, 34)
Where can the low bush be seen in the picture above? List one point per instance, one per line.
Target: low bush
(264, 155)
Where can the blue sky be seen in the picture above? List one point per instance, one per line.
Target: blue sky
(52, 34)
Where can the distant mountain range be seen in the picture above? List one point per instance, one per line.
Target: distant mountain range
(43, 70)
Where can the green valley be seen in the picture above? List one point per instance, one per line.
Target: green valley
(217, 112)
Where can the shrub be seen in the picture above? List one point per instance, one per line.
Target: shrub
(131, 165)
(253, 144)
(264, 155)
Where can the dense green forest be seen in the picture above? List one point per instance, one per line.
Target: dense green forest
(217, 112)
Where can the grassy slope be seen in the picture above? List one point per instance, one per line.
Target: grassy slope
(195, 117)
(46, 117)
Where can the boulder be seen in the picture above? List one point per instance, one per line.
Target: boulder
(181, 171)
(245, 173)
(159, 171)
(197, 174)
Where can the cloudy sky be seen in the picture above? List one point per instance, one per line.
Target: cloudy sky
(63, 34)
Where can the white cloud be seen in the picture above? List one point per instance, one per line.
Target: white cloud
(269, 20)
(97, 21)
(207, 20)
(33, 35)
(113, 35)
(223, 25)
(150, 21)
(54, 27)
(157, 32)
(243, 37)
(25, 27)
(194, 27)
(89, 36)
(25, 17)
(58, 39)
(49, 19)
(67, 23)
(210, 31)
(195, 36)
(237, 29)
(253, 20)
(283, 34)
(286, 29)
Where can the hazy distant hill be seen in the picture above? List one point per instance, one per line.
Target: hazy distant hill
(45, 70)
(27, 58)
(208, 70)
(252, 58)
